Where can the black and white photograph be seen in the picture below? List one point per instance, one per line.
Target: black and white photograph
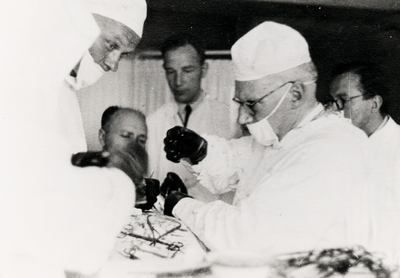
(200, 139)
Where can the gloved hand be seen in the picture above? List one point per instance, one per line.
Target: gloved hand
(172, 200)
(127, 163)
(171, 184)
(151, 191)
(184, 143)
(84, 159)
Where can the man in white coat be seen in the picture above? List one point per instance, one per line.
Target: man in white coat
(54, 216)
(361, 92)
(121, 26)
(185, 67)
(298, 173)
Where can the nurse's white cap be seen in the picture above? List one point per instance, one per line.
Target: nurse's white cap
(267, 49)
(132, 13)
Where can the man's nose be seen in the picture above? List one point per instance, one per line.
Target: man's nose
(178, 79)
(244, 116)
(112, 60)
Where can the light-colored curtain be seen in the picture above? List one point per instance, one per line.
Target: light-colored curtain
(140, 83)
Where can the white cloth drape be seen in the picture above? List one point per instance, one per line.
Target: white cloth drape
(141, 84)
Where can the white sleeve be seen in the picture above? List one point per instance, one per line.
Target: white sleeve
(224, 164)
(301, 207)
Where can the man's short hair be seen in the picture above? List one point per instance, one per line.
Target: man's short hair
(112, 110)
(182, 39)
(372, 80)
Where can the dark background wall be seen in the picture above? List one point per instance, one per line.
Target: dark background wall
(335, 33)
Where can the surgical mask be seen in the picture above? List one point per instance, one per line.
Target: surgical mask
(89, 72)
(262, 130)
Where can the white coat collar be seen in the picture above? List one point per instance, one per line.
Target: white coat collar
(312, 115)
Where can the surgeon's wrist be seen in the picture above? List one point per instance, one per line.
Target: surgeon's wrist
(179, 204)
(172, 200)
(200, 154)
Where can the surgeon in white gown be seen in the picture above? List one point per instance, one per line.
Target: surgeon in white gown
(299, 177)
(121, 27)
(54, 217)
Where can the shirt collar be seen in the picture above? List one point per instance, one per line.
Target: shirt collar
(385, 120)
(312, 115)
(193, 105)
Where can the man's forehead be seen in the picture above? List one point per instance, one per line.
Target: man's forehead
(344, 84)
(127, 119)
(185, 55)
(124, 35)
(248, 89)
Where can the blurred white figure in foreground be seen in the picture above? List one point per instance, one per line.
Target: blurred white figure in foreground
(54, 216)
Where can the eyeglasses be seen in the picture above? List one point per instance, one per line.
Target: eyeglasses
(250, 104)
(340, 102)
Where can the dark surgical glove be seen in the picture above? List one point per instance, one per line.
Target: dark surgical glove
(148, 193)
(172, 200)
(84, 159)
(184, 143)
(171, 184)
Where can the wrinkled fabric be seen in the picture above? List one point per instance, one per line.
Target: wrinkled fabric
(89, 73)
(53, 216)
(267, 49)
(209, 117)
(131, 13)
(70, 124)
(303, 196)
(384, 162)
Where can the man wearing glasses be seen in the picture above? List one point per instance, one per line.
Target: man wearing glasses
(295, 177)
(361, 92)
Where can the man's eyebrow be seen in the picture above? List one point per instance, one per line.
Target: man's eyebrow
(119, 40)
(165, 67)
(127, 131)
(342, 94)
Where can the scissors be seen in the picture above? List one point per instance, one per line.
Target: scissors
(175, 246)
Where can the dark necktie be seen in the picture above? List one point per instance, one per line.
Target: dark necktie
(188, 110)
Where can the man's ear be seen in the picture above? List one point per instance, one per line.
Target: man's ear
(297, 91)
(102, 134)
(204, 70)
(377, 102)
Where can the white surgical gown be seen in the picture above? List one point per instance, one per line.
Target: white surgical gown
(53, 216)
(295, 198)
(384, 162)
(70, 122)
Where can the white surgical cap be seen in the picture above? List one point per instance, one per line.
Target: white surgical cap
(267, 49)
(132, 13)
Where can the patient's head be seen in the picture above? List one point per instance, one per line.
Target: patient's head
(125, 129)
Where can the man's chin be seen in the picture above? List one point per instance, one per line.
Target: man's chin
(182, 99)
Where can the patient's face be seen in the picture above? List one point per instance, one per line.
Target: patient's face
(126, 132)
